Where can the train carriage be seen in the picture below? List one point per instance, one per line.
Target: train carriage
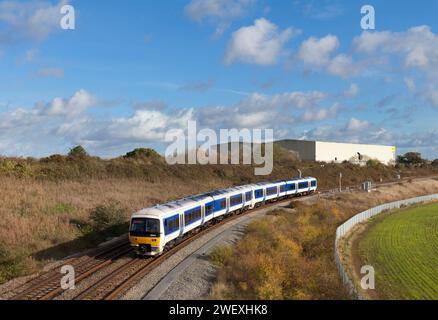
(282, 189)
(303, 186)
(291, 187)
(259, 191)
(220, 201)
(272, 191)
(207, 206)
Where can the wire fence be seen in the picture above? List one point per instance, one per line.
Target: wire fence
(361, 217)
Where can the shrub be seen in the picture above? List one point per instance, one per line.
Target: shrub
(221, 254)
(78, 152)
(373, 163)
(107, 216)
(143, 153)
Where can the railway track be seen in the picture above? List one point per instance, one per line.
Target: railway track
(113, 285)
(47, 285)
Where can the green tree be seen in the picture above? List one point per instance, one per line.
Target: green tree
(78, 152)
(411, 158)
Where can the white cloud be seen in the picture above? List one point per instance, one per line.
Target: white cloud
(317, 52)
(143, 125)
(357, 125)
(219, 12)
(418, 45)
(321, 114)
(75, 105)
(418, 49)
(343, 66)
(31, 20)
(353, 91)
(260, 43)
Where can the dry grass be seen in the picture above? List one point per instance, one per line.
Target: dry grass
(289, 254)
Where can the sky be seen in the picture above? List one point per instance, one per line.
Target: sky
(132, 70)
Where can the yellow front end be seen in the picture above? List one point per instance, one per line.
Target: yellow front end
(148, 246)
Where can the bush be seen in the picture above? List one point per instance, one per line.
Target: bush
(413, 158)
(17, 168)
(221, 254)
(143, 153)
(78, 153)
(372, 163)
(55, 158)
(106, 216)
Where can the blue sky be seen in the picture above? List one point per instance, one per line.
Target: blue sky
(132, 70)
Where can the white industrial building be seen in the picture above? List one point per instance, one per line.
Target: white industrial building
(339, 152)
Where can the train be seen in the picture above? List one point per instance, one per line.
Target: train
(154, 230)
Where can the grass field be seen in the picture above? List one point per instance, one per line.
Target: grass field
(403, 249)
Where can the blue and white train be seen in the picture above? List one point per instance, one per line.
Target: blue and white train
(152, 230)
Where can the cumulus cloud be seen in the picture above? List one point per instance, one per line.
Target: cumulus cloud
(73, 106)
(318, 53)
(418, 45)
(261, 43)
(418, 49)
(30, 20)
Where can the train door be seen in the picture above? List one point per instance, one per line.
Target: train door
(203, 213)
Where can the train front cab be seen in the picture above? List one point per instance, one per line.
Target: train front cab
(145, 234)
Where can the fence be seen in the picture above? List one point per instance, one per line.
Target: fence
(361, 217)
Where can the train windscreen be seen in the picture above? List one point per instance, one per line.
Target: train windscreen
(145, 227)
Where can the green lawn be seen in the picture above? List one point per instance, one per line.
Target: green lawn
(403, 249)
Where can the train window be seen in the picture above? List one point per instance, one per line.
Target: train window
(220, 204)
(291, 186)
(192, 215)
(303, 185)
(271, 191)
(313, 183)
(248, 196)
(259, 193)
(171, 224)
(209, 208)
(235, 200)
(283, 188)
